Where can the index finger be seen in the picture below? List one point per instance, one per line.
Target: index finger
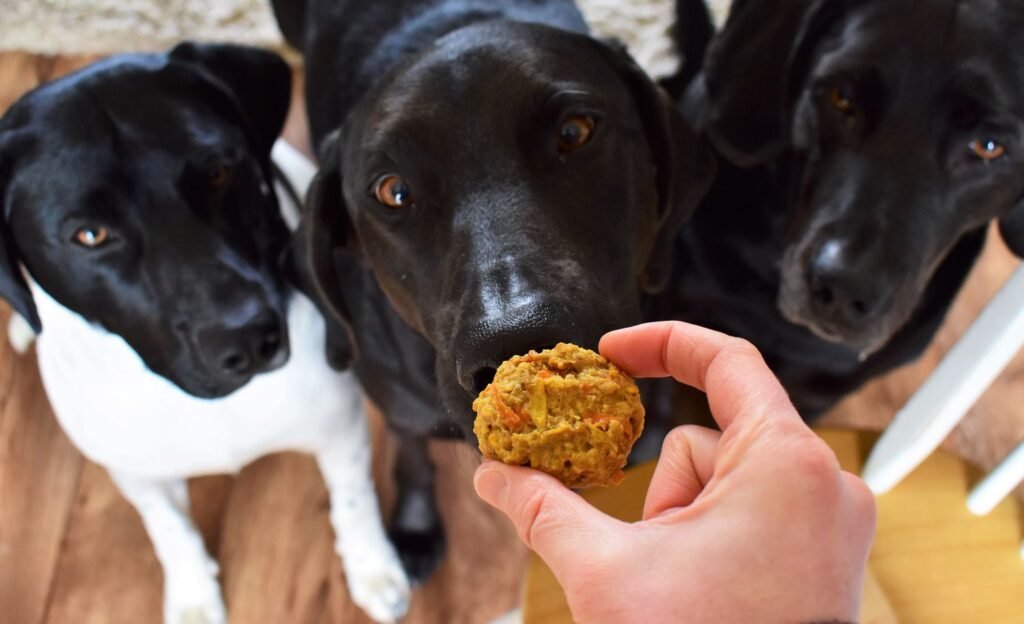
(731, 371)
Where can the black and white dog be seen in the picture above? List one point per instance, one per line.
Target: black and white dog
(137, 196)
(493, 180)
(868, 145)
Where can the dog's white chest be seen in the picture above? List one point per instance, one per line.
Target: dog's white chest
(123, 416)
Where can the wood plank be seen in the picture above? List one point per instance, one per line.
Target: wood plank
(296, 128)
(39, 471)
(875, 607)
(108, 572)
(276, 553)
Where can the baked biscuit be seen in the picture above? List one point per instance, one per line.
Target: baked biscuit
(566, 411)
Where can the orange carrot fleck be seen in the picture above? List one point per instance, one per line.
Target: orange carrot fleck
(511, 418)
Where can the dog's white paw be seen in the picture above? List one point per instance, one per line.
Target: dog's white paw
(20, 333)
(201, 615)
(194, 600)
(379, 585)
(211, 611)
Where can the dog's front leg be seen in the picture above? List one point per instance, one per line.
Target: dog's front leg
(376, 579)
(416, 528)
(191, 592)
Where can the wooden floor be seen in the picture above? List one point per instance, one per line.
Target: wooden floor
(73, 552)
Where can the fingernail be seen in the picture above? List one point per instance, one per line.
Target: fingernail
(491, 485)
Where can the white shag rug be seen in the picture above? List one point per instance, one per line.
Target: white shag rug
(108, 26)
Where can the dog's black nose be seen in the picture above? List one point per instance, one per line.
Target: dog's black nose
(257, 346)
(838, 290)
(481, 348)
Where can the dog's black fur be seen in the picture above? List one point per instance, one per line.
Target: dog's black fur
(853, 206)
(509, 245)
(169, 154)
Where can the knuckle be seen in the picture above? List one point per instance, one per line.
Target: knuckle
(741, 348)
(678, 438)
(816, 461)
(861, 496)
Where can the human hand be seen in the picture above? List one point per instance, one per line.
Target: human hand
(753, 524)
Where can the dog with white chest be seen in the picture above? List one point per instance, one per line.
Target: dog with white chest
(141, 235)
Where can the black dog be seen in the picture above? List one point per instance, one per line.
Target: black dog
(493, 181)
(871, 143)
(207, 327)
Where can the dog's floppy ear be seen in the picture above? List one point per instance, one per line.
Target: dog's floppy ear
(291, 21)
(1011, 228)
(322, 239)
(13, 287)
(744, 98)
(685, 166)
(692, 33)
(259, 81)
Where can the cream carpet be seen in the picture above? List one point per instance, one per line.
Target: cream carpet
(106, 26)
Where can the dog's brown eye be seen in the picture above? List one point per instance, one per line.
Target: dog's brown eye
(574, 133)
(842, 100)
(92, 237)
(392, 191)
(987, 150)
(219, 177)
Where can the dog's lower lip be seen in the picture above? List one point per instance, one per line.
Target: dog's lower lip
(279, 360)
(824, 332)
(862, 349)
(798, 316)
(205, 388)
(212, 393)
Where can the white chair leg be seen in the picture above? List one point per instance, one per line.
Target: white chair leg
(966, 372)
(999, 484)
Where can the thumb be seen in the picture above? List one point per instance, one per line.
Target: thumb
(551, 519)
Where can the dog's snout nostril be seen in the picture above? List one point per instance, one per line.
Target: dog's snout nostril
(823, 295)
(858, 309)
(236, 363)
(482, 378)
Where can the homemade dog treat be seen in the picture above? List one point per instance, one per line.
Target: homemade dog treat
(566, 411)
